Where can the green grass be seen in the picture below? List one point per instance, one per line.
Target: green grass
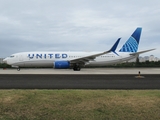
(79, 104)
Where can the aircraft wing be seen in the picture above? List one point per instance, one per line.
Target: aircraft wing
(92, 57)
(137, 53)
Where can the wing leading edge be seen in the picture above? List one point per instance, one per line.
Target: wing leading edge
(137, 53)
(92, 57)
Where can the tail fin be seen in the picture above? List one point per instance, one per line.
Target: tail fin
(132, 43)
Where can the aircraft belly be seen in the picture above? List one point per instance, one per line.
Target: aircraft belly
(41, 63)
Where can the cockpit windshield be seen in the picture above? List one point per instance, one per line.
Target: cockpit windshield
(11, 56)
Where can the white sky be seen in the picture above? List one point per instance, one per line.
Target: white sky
(76, 25)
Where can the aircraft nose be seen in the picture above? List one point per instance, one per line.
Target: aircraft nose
(5, 60)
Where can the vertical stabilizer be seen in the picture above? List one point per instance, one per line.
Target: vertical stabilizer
(132, 43)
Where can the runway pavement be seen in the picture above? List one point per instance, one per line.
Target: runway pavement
(83, 71)
(88, 78)
(79, 81)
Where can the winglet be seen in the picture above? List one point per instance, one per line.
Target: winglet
(114, 47)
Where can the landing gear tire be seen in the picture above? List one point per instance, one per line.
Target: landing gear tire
(18, 69)
(77, 68)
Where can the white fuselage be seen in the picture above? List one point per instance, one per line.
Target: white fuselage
(47, 59)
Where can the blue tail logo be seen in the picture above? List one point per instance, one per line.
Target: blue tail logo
(132, 43)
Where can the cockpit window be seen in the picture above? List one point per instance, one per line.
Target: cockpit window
(11, 56)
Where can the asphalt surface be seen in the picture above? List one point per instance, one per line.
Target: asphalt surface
(78, 81)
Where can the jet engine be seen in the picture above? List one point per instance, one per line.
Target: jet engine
(61, 64)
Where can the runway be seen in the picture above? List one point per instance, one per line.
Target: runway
(83, 71)
(88, 78)
(79, 81)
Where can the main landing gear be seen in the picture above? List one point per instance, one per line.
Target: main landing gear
(18, 69)
(76, 68)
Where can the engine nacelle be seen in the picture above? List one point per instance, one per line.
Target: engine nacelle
(61, 64)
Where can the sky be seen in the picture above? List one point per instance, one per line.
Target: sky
(77, 25)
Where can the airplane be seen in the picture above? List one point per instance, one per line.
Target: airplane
(77, 60)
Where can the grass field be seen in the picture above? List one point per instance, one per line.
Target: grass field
(79, 104)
